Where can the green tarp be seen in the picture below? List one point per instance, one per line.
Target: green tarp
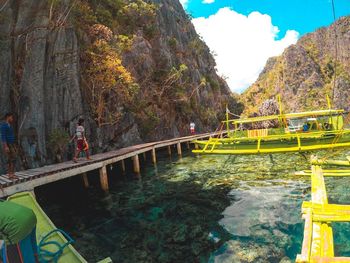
(16, 222)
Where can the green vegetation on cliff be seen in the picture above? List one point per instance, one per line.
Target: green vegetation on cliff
(111, 32)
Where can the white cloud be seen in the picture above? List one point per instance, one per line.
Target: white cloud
(208, 1)
(242, 44)
(184, 3)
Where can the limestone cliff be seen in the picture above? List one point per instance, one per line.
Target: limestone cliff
(304, 73)
(135, 70)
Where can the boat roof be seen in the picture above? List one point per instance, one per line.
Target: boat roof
(287, 116)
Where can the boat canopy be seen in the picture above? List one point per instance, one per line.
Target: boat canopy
(319, 113)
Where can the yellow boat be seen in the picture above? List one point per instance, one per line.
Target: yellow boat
(56, 238)
(293, 132)
(318, 242)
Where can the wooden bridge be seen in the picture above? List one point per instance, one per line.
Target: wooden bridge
(29, 179)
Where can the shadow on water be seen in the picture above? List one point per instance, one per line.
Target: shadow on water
(194, 209)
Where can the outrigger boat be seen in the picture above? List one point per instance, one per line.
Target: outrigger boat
(293, 132)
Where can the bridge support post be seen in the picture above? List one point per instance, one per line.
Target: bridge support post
(179, 150)
(85, 180)
(123, 166)
(196, 146)
(188, 145)
(104, 178)
(136, 162)
(169, 150)
(154, 156)
(144, 156)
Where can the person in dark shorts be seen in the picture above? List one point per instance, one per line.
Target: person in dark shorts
(80, 138)
(8, 143)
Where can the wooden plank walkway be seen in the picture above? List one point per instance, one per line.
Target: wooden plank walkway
(29, 179)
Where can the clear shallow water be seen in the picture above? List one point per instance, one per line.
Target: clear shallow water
(194, 209)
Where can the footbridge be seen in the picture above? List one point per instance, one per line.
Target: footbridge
(27, 180)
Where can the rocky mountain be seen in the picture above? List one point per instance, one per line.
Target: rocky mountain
(304, 73)
(136, 70)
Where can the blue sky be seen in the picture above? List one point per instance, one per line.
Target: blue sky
(303, 16)
(245, 33)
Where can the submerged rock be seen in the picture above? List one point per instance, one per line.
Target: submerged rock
(286, 260)
(217, 210)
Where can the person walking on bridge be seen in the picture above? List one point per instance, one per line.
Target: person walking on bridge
(8, 143)
(82, 144)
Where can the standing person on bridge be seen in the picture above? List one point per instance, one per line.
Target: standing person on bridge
(8, 143)
(192, 128)
(82, 144)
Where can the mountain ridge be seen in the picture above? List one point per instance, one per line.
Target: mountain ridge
(303, 75)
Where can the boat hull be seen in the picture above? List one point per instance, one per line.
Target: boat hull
(266, 146)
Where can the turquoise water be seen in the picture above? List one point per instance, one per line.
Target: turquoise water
(194, 209)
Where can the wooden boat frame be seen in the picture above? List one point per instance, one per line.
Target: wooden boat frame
(318, 243)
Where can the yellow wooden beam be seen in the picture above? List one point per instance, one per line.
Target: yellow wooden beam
(330, 162)
(334, 173)
(315, 206)
(306, 246)
(322, 234)
(279, 150)
(276, 137)
(331, 217)
(287, 116)
(330, 259)
(330, 171)
(327, 212)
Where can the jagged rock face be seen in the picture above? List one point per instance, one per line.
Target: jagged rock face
(39, 75)
(41, 78)
(267, 108)
(304, 73)
(160, 54)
